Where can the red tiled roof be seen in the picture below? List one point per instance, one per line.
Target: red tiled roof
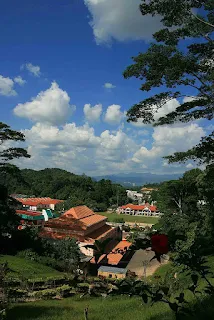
(29, 213)
(79, 212)
(122, 245)
(37, 201)
(137, 207)
(93, 219)
(116, 255)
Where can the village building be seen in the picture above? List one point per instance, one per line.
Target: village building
(147, 192)
(82, 224)
(35, 204)
(34, 218)
(136, 210)
(112, 272)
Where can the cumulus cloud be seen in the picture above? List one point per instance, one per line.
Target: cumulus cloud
(167, 140)
(92, 114)
(120, 20)
(6, 87)
(19, 80)
(109, 86)
(47, 136)
(34, 70)
(114, 115)
(51, 106)
(168, 107)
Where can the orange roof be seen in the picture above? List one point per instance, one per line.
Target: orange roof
(114, 258)
(79, 212)
(122, 246)
(137, 207)
(37, 201)
(93, 219)
(116, 255)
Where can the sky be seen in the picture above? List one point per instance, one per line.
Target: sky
(62, 85)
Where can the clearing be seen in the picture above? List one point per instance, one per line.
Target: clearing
(112, 217)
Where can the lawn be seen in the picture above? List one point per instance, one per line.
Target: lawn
(112, 216)
(20, 267)
(112, 308)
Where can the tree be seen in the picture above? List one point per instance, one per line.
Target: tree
(8, 218)
(186, 69)
(99, 247)
(7, 154)
(65, 252)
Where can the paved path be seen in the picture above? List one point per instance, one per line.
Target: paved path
(142, 258)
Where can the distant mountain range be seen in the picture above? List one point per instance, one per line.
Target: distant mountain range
(138, 179)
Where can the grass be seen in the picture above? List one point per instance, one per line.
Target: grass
(20, 267)
(127, 218)
(111, 308)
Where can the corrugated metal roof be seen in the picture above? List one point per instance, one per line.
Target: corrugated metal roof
(112, 270)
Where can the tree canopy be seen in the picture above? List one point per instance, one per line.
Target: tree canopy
(179, 69)
(75, 189)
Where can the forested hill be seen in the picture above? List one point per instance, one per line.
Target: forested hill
(60, 184)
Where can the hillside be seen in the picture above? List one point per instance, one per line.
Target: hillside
(75, 189)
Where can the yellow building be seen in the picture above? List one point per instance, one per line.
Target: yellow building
(112, 272)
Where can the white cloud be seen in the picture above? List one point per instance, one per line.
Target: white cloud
(19, 80)
(92, 114)
(35, 70)
(109, 86)
(166, 141)
(50, 106)
(6, 87)
(47, 136)
(168, 107)
(120, 20)
(113, 115)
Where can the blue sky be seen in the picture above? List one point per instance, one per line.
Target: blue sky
(61, 83)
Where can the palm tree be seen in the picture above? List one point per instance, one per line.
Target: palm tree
(99, 248)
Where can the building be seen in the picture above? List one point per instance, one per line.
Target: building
(112, 272)
(136, 210)
(119, 256)
(134, 195)
(146, 192)
(36, 218)
(82, 224)
(35, 204)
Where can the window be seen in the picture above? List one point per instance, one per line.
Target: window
(110, 275)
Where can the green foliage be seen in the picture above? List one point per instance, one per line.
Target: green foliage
(119, 220)
(75, 190)
(65, 253)
(179, 68)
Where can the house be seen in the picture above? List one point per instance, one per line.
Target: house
(34, 218)
(35, 204)
(134, 195)
(82, 224)
(146, 192)
(145, 210)
(112, 272)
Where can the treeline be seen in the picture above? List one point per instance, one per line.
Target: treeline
(75, 189)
